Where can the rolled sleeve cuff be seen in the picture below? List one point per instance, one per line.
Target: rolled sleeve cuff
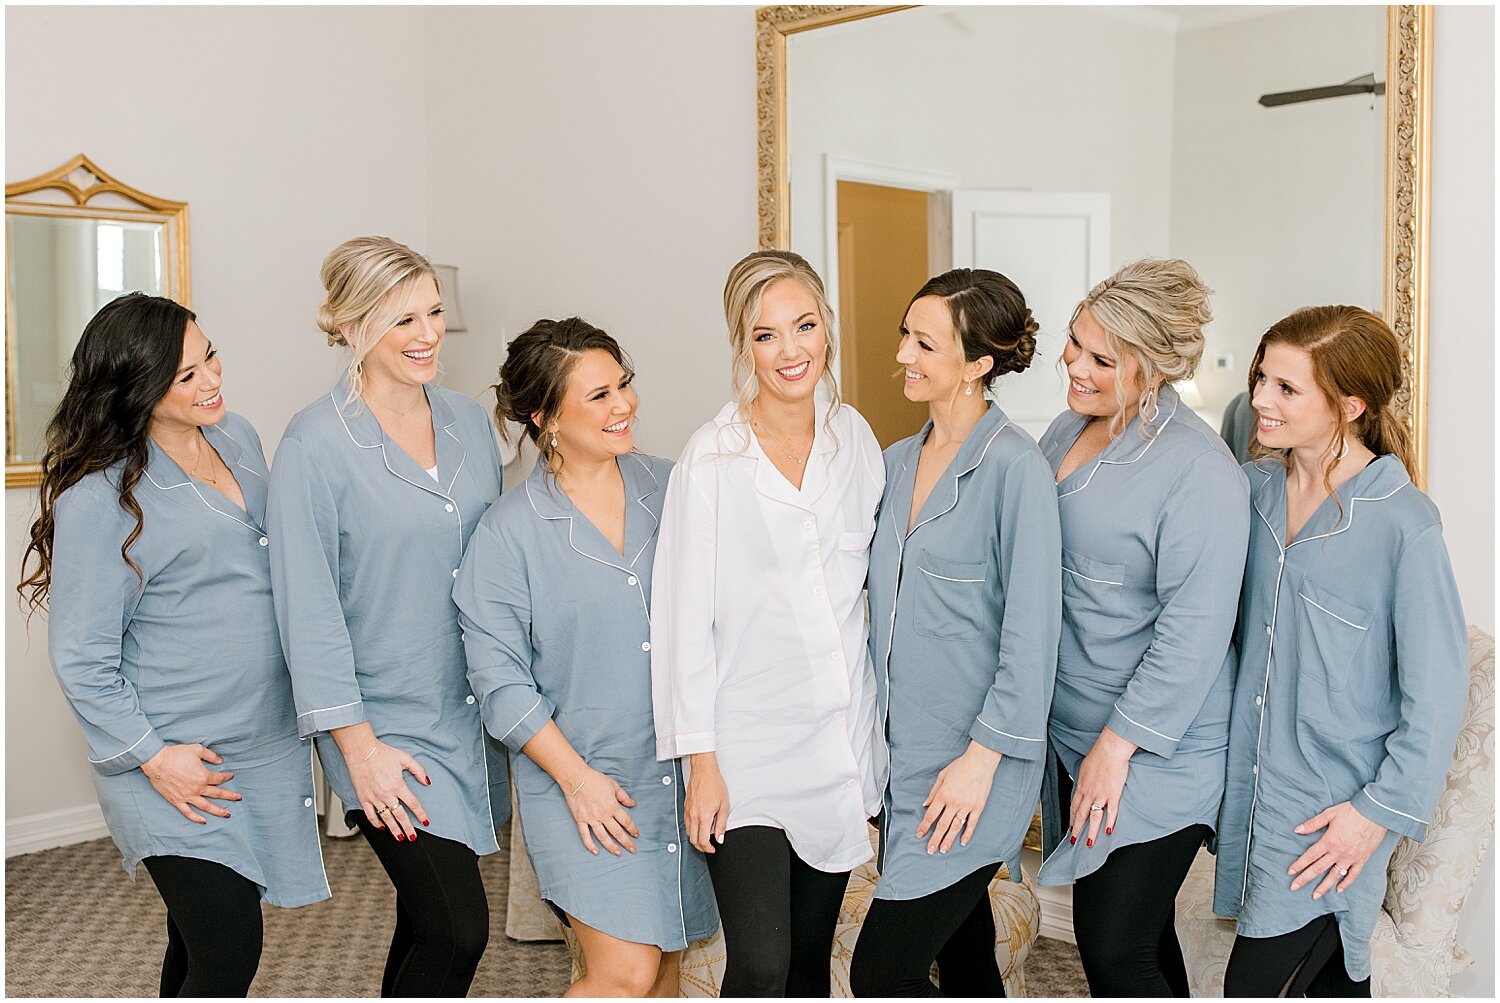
(677, 746)
(1005, 743)
(132, 758)
(516, 732)
(1391, 818)
(1141, 734)
(323, 719)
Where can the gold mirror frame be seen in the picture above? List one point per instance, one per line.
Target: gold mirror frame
(81, 181)
(1408, 157)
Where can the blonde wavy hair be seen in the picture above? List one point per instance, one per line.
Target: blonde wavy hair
(748, 281)
(1155, 309)
(369, 283)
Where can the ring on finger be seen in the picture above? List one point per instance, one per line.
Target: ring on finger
(1343, 872)
(1096, 807)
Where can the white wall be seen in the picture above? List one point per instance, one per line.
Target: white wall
(599, 162)
(1278, 208)
(1035, 99)
(287, 130)
(1461, 361)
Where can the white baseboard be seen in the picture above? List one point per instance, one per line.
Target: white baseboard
(50, 829)
(1057, 911)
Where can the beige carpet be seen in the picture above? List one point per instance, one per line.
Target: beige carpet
(75, 925)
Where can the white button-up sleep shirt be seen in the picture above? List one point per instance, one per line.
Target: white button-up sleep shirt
(759, 635)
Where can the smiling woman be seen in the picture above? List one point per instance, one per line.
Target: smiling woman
(766, 684)
(145, 475)
(377, 487)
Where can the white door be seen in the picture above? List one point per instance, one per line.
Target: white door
(1055, 247)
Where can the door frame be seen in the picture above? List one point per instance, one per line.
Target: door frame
(836, 169)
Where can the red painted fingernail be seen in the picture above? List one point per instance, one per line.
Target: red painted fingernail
(428, 781)
(1072, 839)
(1110, 831)
(1090, 842)
(399, 837)
(424, 821)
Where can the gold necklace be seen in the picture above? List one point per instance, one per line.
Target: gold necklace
(194, 473)
(399, 414)
(789, 454)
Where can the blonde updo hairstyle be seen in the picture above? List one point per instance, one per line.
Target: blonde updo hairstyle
(369, 283)
(1155, 309)
(1354, 354)
(747, 283)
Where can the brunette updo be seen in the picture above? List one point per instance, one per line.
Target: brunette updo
(534, 376)
(990, 317)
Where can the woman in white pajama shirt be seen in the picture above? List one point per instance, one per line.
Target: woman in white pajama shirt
(760, 671)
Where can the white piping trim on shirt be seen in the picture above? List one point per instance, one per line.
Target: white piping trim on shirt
(961, 581)
(1396, 811)
(522, 718)
(1333, 614)
(1098, 581)
(434, 489)
(148, 735)
(1101, 462)
(1139, 725)
(1007, 734)
(321, 710)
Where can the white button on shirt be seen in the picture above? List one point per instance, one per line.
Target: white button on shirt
(744, 663)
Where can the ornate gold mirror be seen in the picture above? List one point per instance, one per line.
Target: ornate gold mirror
(1282, 150)
(75, 238)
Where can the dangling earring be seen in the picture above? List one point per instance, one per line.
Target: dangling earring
(969, 389)
(554, 438)
(1150, 398)
(1339, 450)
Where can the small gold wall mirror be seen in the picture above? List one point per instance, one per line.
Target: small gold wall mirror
(75, 238)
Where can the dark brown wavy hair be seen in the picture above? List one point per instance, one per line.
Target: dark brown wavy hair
(123, 366)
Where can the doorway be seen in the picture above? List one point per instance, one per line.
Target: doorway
(882, 260)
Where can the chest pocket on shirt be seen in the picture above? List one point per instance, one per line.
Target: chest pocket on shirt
(950, 597)
(1335, 630)
(1093, 594)
(858, 541)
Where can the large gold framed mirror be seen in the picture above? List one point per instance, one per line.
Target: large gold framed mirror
(1142, 128)
(75, 238)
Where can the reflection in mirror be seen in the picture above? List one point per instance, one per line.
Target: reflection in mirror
(1054, 144)
(61, 272)
(75, 239)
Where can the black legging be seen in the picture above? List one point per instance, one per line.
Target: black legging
(214, 927)
(899, 940)
(1305, 962)
(778, 913)
(442, 915)
(1124, 917)
(1125, 913)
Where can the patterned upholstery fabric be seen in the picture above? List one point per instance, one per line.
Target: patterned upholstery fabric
(1018, 917)
(1415, 949)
